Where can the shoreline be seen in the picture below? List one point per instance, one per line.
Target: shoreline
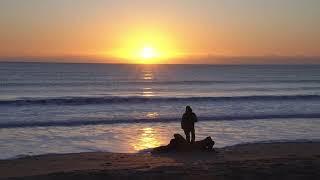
(287, 160)
(146, 151)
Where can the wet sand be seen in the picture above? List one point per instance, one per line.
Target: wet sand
(250, 161)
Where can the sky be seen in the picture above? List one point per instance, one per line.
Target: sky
(161, 31)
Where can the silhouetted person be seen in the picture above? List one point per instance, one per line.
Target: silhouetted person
(187, 124)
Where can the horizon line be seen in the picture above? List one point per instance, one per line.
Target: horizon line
(104, 60)
(220, 64)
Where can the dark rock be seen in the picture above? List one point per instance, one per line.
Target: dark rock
(180, 144)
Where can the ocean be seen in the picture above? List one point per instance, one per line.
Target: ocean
(65, 108)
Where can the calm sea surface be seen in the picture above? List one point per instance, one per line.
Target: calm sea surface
(59, 108)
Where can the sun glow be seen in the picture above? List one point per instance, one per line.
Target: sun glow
(148, 55)
(148, 52)
(145, 47)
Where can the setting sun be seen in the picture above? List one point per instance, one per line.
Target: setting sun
(148, 52)
(145, 45)
(148, 55)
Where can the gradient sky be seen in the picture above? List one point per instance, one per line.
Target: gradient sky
(184, 31)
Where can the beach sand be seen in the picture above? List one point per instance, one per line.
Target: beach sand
(250, 161)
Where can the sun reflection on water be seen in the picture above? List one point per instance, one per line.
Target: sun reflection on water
(147, 139)
(147, 92)
(147, 75)
(152, 115)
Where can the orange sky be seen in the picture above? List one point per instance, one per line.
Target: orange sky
(181, 31)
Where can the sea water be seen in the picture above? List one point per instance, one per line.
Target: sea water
(62, 108)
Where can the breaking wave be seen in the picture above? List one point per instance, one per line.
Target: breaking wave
(137, 99)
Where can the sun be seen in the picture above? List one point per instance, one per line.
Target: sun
(144, 46)
(147, 53)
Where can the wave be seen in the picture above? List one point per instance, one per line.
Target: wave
(107, 82)
(139, 99)
(71, 123)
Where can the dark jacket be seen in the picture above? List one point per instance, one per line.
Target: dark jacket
(188, 120)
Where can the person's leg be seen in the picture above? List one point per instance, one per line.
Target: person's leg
(187, 133)
(193, 135)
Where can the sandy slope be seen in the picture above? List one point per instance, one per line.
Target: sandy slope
(251, 161)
